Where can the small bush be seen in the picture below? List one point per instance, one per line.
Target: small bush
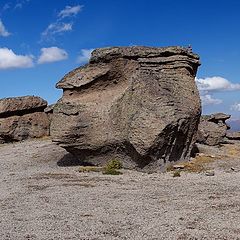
(177, 173)
(110, 171)
(114, 164)
(112, 167)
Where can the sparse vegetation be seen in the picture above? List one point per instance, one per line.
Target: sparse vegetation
(90, 169)
(112, 167)
(177, 173)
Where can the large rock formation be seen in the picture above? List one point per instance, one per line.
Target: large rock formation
(137, 104)
(213, 129)
(22, 118)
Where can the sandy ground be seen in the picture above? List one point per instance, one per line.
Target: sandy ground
(41, 200)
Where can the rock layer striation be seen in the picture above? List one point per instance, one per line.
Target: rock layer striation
(137, 104)
(22, 118)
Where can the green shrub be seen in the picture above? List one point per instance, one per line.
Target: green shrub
(114, 164)
(110, 171)
(112, 167)
(177, 173)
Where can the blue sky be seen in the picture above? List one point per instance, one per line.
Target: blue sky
(41, 40)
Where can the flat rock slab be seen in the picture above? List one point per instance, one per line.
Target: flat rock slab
(21, 105)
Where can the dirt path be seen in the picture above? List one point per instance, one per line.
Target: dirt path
(41, 200)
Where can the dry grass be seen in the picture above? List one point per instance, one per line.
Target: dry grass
(232, 150)
(90, 169)
(197, 165)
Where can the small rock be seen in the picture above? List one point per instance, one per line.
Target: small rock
(232, 168)
(210, 173)
(178, 166)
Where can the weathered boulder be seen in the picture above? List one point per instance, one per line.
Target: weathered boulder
(22, 118)
(213, 129)
(137, 104)
(233, 135)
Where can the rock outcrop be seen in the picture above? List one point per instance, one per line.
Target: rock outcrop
(137, 104)
(22, 118)
(213, 129)
(233, 135)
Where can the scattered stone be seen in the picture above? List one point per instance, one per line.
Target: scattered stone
(210, 173)
(178, 166)
(137, 104)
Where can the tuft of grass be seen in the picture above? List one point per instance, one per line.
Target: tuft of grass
(112, 167)
(109, 171)
(177, 173)
(114, 164)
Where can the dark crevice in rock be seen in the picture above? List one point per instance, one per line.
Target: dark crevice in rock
(21, 112)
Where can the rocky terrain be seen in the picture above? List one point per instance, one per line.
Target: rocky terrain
(41, 199)
(137, 104)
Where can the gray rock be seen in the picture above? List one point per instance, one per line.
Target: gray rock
(49, 109)
(22, 118)
(210, 173)
(137, 104)
(21, 105)
(212, 129)
(233, 135)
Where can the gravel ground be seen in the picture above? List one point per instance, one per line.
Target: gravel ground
(41, 200)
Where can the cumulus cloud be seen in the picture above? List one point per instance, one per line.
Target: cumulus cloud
(235, 107)
(209, 100)
(52, 54)
(69, 11)
(216, 84)
(8, 59)
(61, 24)
(3, 30)
(84, 56)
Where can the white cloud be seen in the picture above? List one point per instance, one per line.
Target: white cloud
(52, 54)
(56, 28)
(69, 11)
(84, 56)
(235, 107)
(8, 59)
(60, 25)
(209, 100)
(216, 84)
(3, 30)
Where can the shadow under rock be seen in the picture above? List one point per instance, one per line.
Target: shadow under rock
(68, 160)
